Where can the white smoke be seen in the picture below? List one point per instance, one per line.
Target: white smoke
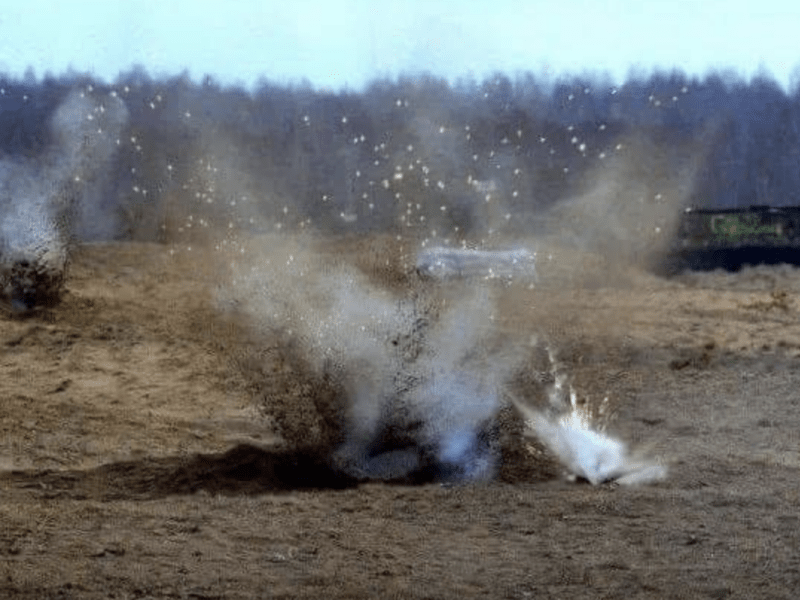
(41, 200)
(425, 369)
(422, 368)
(45, 202)
(576, 437)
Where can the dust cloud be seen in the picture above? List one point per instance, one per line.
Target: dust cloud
(410, 372)
(618, 228)
(405, 376)
(420, 367)
(48, 201)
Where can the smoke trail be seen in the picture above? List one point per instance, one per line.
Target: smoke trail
(41, 201)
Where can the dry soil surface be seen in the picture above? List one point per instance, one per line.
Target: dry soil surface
(136, 460)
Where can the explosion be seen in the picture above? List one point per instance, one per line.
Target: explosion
(577, 438)
(41, 201)
(422, 370)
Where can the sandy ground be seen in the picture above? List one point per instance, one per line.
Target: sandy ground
(135, 461)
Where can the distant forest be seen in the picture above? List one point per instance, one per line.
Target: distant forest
(347, 160)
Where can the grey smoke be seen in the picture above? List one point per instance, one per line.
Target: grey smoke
(42, 200)
(423, 368)
(441, 390)
(46, 202)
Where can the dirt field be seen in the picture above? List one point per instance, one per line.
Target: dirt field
(135, 462)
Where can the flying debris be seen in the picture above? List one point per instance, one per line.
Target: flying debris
(41, 199)
(448, 263)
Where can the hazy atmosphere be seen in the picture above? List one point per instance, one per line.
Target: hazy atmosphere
(418, 299)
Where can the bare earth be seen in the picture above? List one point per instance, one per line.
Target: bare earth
(134, 462)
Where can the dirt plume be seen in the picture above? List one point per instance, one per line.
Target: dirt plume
(47, 203)
(624, 218)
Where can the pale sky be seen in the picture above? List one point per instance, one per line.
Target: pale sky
(345, 43)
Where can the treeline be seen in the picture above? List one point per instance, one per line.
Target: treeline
(415, 152)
